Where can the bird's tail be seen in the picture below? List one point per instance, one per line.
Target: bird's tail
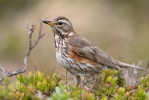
(125, 65)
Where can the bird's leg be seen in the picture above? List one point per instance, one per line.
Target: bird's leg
(84, 81)
(95, 80)
(78, 80)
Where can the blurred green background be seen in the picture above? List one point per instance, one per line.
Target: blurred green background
(119, 27)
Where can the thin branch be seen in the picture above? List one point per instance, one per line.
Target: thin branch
(2, 70)
(69, 76)
(147, 72)
(60, 73)
(66, 77)
(69, 80)
(131, 76)
(147, 68)
(53, 70)
(131, 91)
(30, 32)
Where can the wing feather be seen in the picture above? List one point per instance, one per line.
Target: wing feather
(86, 49)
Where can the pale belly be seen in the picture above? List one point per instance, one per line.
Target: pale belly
(77, 69)
(85, 69)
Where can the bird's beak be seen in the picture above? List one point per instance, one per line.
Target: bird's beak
(48, 22)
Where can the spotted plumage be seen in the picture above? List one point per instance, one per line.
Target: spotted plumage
(78, 55)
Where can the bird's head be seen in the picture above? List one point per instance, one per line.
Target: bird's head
(61, 26)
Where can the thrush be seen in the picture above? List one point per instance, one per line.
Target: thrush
(78, 55)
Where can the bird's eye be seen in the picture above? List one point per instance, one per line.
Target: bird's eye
(60, 23)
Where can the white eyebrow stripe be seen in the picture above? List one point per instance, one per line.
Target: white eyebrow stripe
(64, 21)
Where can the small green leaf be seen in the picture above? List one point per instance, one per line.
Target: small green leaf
(20, 78)
(121, 91)
(22, 88)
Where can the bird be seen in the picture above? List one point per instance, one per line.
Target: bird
(77, 54)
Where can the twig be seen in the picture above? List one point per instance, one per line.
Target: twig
(53, 70)
(35, 67)
(138, 81)
(69, 78)
(147, 68)
(139, 63)
(30, 32)
(66, 77)
(60, 73)
(41, 67)
(2, 70)
(131, 91)
(148, 65)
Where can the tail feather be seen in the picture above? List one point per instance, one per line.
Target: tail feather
(125, 65)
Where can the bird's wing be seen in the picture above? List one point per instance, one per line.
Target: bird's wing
(87, 50)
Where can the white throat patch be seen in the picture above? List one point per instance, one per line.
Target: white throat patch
(71, 34)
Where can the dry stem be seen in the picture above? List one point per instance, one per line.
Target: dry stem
(31, 46)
